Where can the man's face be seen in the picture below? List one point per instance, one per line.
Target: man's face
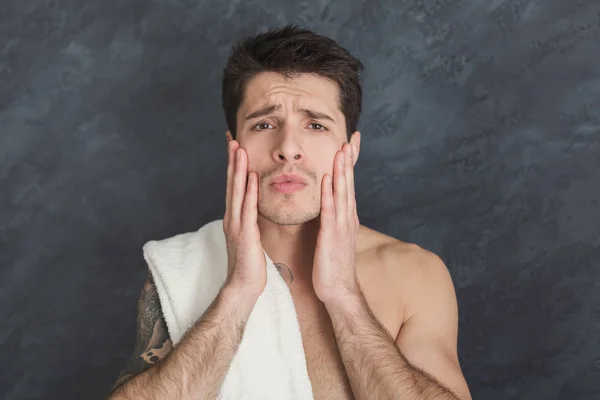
(300, 136)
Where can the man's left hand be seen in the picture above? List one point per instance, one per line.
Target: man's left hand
(334, 266)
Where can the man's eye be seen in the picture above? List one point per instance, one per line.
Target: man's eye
(265, 125)
(261, 123)
(322, 128)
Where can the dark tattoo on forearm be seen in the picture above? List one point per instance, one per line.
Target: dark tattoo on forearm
(285, 272)
(153, 342)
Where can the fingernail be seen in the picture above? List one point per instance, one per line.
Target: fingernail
(238, 154)
(342, 158)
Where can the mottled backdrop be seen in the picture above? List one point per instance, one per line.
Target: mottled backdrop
(481, 130)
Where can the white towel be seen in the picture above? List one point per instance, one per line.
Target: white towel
(189, 269)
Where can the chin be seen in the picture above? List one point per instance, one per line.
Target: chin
(287, 216)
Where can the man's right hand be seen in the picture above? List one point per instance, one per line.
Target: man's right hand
(247, 265)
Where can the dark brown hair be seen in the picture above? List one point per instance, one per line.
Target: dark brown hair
(291, 50)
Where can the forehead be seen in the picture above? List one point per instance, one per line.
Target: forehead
(303, 90)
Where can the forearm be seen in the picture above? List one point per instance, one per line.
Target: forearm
(375, 366)
(196, 368)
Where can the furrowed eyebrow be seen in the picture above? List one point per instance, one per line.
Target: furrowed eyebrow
(268, 109)
(316, 114)
(271, 108)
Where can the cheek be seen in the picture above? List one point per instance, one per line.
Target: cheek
(326, 163)
(323, 157)
(251, 163)
(324, 168)
(254, 159)
(258, 163)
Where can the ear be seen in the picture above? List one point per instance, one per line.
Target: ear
(355, 143)
(228, 136)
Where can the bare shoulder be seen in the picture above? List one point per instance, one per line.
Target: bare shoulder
(426, 329)
(408, 268)
(392, 253)
(428, 334)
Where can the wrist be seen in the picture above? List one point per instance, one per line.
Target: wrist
(345, 294)
(345, 301)
(239, 295)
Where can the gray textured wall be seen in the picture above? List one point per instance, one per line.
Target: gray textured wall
(481, 130)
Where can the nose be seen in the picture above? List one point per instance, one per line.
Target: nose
(282, 157)
(288, 148)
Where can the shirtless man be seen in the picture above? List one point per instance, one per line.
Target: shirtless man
(378, 316)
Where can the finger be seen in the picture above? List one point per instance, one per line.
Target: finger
(251, 201)
(350, 181)
(340, 194)
(327, 209)
(239, 186)
(231, 147)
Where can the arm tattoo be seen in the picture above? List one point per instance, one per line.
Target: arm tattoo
(153, 342)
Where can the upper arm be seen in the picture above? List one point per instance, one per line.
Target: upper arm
(428, 339)
(153, 342)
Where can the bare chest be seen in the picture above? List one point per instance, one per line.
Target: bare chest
(324, 363)
(323, 359)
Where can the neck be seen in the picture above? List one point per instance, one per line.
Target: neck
(293, 246)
